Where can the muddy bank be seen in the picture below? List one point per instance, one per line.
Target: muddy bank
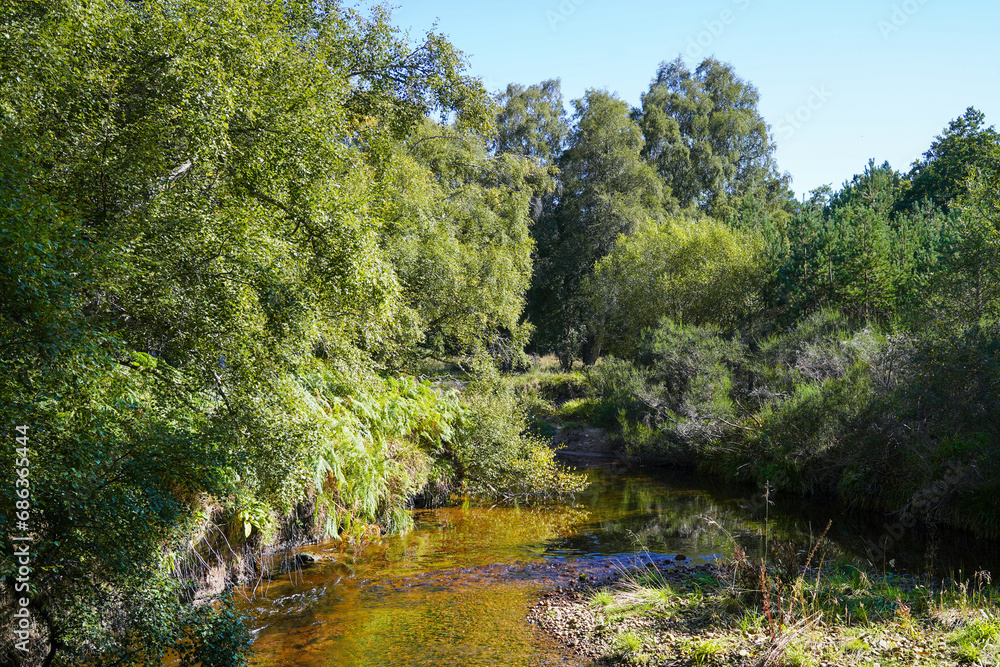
(589, 445)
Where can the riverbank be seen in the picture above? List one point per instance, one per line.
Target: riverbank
(829, 612)
(459, 587)
(729, 613)
(894, 426)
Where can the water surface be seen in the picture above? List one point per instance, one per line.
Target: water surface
(456, 589)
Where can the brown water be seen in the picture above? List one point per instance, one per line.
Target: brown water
(457, 588)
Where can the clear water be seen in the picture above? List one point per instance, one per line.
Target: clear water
(456, 589)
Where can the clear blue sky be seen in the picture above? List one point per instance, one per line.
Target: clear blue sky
(883, 77)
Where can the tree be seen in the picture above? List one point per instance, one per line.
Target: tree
(532, 121)
(854, 251)
(707, 139)
(188, 232)
(691, 271)
(459, 239)
(964, 147)
(878, 188)
(862, 278)
(967, 286)
(606, 190)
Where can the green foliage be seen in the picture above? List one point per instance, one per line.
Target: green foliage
(706, 652)
(707, 139)
(677, 355)
(700, 134)
(864, 371)
(855, 254)
(218, 222)
(692, 370)
(883, 421)
(545, 394)
(217, 636)
(965, 148)
(627, 643)
(862, 279)
(879, 189)
(560, 386)
(602, 598)
(977, 641)
(495, 455)
(621, 386)
(459, 242)
(224, 227)
(584, 411)
(393, 440)
(375, 449)
(695, 271)
(606, 190)
(676, 400)
(532, 121)
(967, 287)
(798, 433)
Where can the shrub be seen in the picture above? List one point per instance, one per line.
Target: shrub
(795, 442)
(692, 369)
(621, 386)
(494, 454)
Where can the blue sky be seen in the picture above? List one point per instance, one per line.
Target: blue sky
(840, 82)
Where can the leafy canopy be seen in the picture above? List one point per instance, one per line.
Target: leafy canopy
(706, 137)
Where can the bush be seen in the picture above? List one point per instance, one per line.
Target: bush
(692, 369)
(696, 270)
(928, 441)
(621, 386)
(544, 392)
(495, 456)
(795, 442)
(676, 399)
(810, 350)
(693, 366)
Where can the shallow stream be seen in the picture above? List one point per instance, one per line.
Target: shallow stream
(456, 589)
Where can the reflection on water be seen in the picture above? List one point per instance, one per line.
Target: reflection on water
(425, 598)
(456, 589)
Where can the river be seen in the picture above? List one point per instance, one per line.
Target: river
(456, 589)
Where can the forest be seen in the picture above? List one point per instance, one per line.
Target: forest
(234, 234)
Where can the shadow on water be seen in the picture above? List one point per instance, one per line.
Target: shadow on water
(456, 589)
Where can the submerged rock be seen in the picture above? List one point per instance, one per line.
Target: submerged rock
(306, 558)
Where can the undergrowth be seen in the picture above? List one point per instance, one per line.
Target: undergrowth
(903, 422)
(795, 608)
